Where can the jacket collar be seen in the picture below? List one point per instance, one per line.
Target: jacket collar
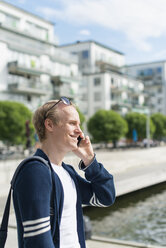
(40, 153)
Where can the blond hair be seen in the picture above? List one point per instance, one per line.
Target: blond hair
(40, 115)
(44, 112)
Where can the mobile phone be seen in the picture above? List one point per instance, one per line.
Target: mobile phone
(79, 140)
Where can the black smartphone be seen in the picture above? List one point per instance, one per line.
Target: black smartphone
(79, 140)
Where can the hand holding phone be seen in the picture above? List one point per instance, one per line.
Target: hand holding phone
(79, 140)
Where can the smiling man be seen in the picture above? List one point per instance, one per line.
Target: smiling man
(48, 205)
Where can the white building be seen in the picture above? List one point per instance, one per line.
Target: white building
(32, 68)
(104, 86)
(154, 76)
(93, 55)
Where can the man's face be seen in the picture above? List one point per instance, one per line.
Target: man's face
(68, 129)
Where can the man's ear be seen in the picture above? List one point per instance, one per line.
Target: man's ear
(49, 125)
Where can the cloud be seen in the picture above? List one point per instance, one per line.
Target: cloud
(159, 55)
(85, 32)
(21, 1)
(139, 20)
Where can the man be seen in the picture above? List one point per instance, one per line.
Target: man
(57, 124)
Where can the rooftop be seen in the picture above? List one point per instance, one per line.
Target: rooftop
(146, 63)
(24, 11)
(95, 42)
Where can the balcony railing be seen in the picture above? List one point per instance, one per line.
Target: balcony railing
(25, 86)
(60, 80)
(154, 83)
(130, 90)
(21, 69)
(67, 86)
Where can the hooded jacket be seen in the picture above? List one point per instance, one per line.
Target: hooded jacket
(37, 224)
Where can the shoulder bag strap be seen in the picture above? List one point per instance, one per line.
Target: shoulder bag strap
(5, 218)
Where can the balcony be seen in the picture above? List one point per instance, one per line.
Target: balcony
(17, 68)
(129, 90)
(106, 66)
(120, 102)
(60, 80)
(154, 83)
(25, 86)
(117, 89)
(65, 86)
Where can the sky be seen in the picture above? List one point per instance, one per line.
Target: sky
(136, 28)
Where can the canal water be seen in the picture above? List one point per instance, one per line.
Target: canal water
(139, 216)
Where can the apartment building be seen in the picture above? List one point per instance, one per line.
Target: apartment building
(32, 67)
(104, 85)
(154, 77)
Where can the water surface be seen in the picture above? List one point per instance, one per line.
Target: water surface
(140, 217)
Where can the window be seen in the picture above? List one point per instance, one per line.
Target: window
(29, 98)
(37, 31)
(74, 53)
(11, 20)
(145, 72)
(97, 96)
(159, 70)
(85, 54)
(113, 96)
(97, 81)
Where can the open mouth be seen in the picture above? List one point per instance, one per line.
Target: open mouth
(74, 137)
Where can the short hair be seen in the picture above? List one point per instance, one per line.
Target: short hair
(41, 113)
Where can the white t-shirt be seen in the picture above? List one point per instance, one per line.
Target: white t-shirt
(68, 225)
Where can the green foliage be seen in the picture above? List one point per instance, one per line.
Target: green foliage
(82, 118)
(106, 126)
(13, 116)
(159, 121)
(137, 121)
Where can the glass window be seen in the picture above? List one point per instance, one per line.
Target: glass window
(148, 72)
(159, 69)
(97, 81)
(113, 96)
(11, 21)
(37, 31)
(112, 81)
(85, 54)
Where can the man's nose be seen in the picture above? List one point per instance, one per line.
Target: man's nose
(78, 129)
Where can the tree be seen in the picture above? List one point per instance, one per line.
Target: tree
(137, 121)
(106, 126)
(82, 118)
(159, 121)
(13, 116)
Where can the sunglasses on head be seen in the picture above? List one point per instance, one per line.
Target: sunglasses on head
(63, 99)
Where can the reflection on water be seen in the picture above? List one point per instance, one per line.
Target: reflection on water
(140, 216)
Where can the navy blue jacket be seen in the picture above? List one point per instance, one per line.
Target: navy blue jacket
(32, 196)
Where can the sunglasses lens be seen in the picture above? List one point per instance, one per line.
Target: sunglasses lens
(65, 100)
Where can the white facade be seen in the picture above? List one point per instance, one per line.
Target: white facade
(154, 77)
(104, 86)
(93, 55)
(32, 68)
(108, 90)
